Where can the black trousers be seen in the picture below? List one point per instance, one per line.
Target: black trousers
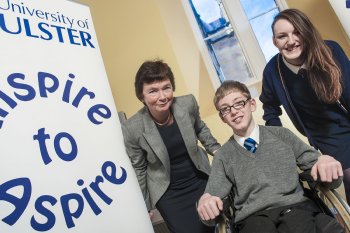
(304, 217)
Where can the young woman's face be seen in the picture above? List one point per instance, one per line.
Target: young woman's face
(289, 42)
(158, 96)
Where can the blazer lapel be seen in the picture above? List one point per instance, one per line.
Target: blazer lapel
(155, 141)
(183, 120)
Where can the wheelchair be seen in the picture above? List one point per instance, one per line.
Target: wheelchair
(328, 200)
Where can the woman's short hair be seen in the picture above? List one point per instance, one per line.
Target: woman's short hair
(152, 71)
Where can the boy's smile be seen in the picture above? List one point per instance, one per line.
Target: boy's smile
(236, 111)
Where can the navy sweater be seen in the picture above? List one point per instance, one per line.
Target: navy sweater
(274, 95)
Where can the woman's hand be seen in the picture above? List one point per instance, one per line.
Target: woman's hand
(326, 169)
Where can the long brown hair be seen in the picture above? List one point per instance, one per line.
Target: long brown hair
(324, 73)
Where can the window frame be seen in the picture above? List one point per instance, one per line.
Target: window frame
(243, 31)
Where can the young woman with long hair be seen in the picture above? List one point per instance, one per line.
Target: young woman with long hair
(310, 78)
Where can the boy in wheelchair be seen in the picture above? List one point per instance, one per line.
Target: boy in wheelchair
(259, 164)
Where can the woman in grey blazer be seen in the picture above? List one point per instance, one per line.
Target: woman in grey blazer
(161, 141)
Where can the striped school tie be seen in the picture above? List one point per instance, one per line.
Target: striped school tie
(250, 144)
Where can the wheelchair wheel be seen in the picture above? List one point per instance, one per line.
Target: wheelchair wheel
(223, 225)
(338, 205)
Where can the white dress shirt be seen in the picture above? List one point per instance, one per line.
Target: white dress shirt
(254, 135)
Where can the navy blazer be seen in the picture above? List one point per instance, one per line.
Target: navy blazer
(147, 151)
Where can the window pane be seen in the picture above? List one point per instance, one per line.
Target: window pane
(260, 15)
(208, 10)
(253, 8)
(263, 33)
(210, 16)
(231, 59)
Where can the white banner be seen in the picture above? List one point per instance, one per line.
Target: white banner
(63, 166)
(342, 10)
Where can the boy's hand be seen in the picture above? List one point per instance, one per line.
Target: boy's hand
(209, 207)
(327, 168)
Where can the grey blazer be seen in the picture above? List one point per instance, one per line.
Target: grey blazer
(147, 151)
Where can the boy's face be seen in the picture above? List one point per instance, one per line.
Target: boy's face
(239, 118)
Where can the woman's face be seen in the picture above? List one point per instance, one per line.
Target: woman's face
(158, 96)
(289, 42)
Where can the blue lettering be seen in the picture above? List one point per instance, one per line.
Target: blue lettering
(27, 28)
(5, 29)
(74, 152)
(67, 88)
(42, 84)
(85, 39)
(59, 32)
(10, 102)
(96, 109)
(7, 7)
(39, 14)
(89, 199)
(72, 204)
(83, 91)
(45, 31)
(20, 204)
(14, 7)
(49, 83)
(94, 186)
(51, 219)
(30, 90)
(68, 215)
(113, 176)
(72, 36)
(41, 137)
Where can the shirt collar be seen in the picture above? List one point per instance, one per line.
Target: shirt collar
(295, 69)
(254, 135)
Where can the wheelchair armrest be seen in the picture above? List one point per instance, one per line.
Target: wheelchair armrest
(334, 184)
(225, 213)
(306, 176)
(227, 205)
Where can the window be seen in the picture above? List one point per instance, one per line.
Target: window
(219, 36)
(260, 17)
(237, 34)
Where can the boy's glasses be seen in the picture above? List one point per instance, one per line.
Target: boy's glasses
(238, 105)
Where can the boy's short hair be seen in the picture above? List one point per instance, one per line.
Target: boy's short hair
(228, 87)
